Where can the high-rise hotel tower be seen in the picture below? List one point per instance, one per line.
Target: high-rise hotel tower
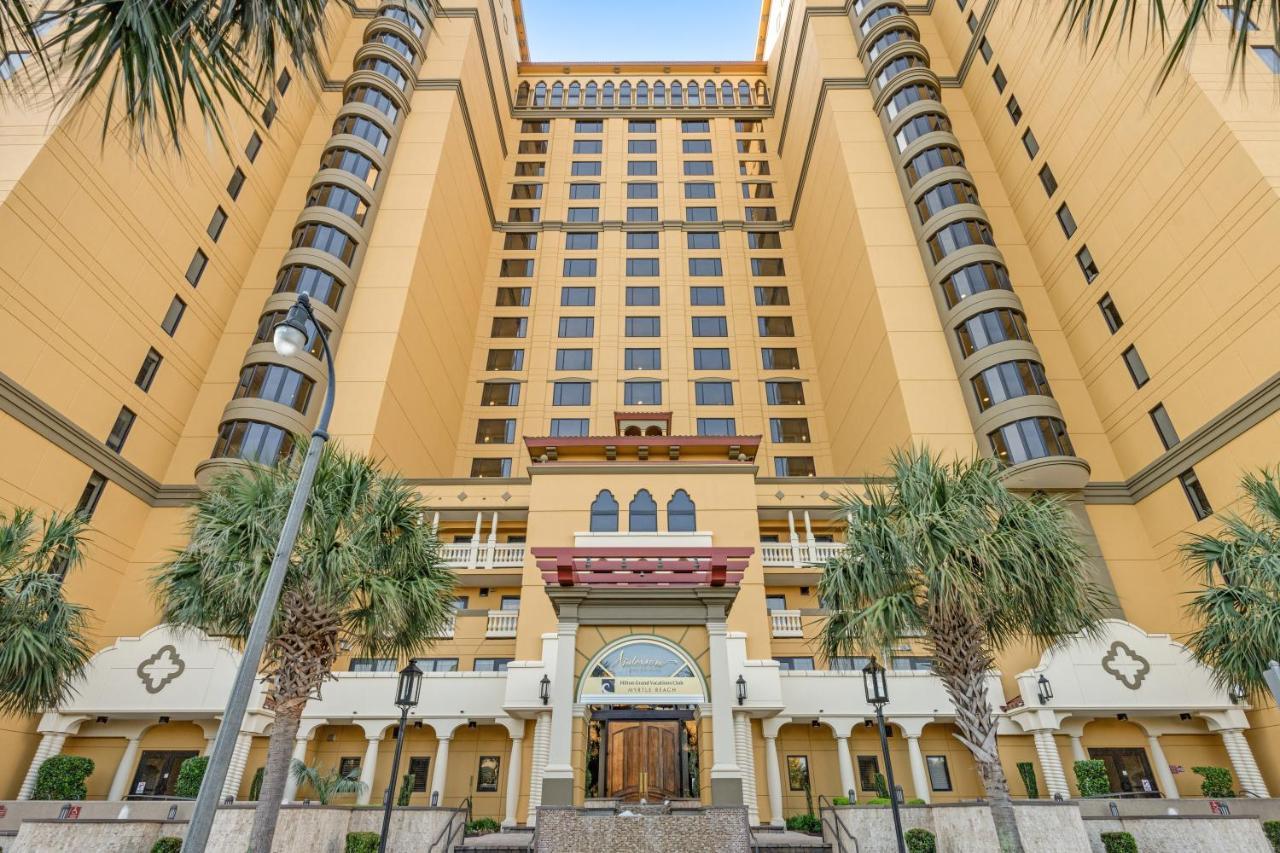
(604, 314)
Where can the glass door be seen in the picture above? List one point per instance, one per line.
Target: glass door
(1129, 771)
(157, 774)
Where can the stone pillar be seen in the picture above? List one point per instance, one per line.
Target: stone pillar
(239, 757)
(1077, 749)
(124, 770)
(1055, 778)
(368, 768)
(290, 783)
(811, 544)
(541, 746)
(440, 775)
(50, 745)
(208, 746)
(745, 751)
(557, 778)
(513, 781)
(1247, 774)
(919, 773)
(1168, 785)
(492, 544)
(473, 553)
(796, 561)
(847, 788)
(726, 777)
(774, 780)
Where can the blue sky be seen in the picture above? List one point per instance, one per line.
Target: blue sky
(623, 31)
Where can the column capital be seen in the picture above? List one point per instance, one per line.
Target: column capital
(770, 726)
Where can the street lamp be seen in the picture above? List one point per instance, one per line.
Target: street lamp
(742, 689)
(1044, 690)
(877, 687)
(290, 339)
(407, 692)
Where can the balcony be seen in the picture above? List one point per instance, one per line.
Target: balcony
(483, 555)
(799, 554)
(502, 624)
(786, 623)
(446, 633)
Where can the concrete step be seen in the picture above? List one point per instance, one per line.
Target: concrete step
(786, 841)
(517, 841)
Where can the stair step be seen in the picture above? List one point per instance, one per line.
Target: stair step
(791, 848)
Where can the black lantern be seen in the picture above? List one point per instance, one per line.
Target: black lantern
(544, 689)
(875, 683)
(742, 689)
(1044, 690)
(410, 687)
(1236, 694)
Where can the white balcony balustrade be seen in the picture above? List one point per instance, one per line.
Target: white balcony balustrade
(502, 623)
(786, 623)
(799, 554)
(483, 555)
(446, 633)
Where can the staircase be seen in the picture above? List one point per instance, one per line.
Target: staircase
(515, 841)
(785, 841)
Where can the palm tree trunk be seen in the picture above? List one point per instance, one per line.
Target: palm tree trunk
(279, 752)
(962, 662)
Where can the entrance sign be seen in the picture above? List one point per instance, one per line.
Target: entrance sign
(642, 671)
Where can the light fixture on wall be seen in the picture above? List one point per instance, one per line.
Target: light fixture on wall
(544, 689)
(742, 689)
(1044, 690)
(1122, 717)
(1184, 716)
(1236, 694)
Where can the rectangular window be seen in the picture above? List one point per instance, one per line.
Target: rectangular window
(695, 126)
(439, 664)
(512, 296)
(1066, 220)
(1029, 142)
(868, 769)
(532, 146)
(348, 765)
(500, 394)
(753, 168)
(641, 393)
(643, 296)
(701, 214)
(1014, 108)
(699, 189)
(793, 466)
(767, 266)
(642, 168)
(705, 267)
(752, 146)
(1164, 426)
(646, 189)
(216, 223)
(489, 467)
(195, 269)
(588, 126)
(579, 296)
(1085, 259)
(579, 268)
(588, 146)
(570, 427)
(710, 358)
(173, 316)
(775, 602)
(1269, 55)
(530, 169)
(642, 126)
(492, 664)
(789, 430)
(713, 393)
(508, 327)
(520, 242)
(147, 373)
(744, 125)
(91, 494)
(642, 214)
(780, 358)
(1195, 494)
(699, 168)
(984, 47)
(939, 774)
(504, 359)
(644, 327)
(763, 240)
(706, 296)
(516, 268)
(269, 114)
(642, 146)
(775, 327)
(252, 147)
(642, 266)
(717, 426)
(496, 431)
(695, 146)
(761, 214)
(710, 327)
(1110, 313)
(526, 192)
(571, 394)
(784, 393)
(419, 766)
(643, 359)
(971, 22)
(702, 240)
(1047, 180)
(372, 665)
(1000, 80)
(573, 359)
(120, 429)
(584, 168)
(1137, 370)
(577, 327)
(235, 184)
(795, 664)
(772, 296)
(584, 214)
(580, 241)
(642, 239)
(535, 127)
(584, 191)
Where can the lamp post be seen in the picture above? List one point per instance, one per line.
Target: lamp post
(290, 338)
(407, 691)
(877, 688)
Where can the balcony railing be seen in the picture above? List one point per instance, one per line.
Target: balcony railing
(483, 555)
(446, 633)
(502, 623)
(786, 623)
(799, 554)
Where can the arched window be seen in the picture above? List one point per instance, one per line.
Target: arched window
(709, 91)
(681, 514)
(591, 94)
(522, 95)
(762, 93)
(575, 93)
(608, 94)
(540, 95)
(726, 93)
(557, 95)
(695, 93)
(631, 430)
(642, 94)
(659, 94)
(744, 94)
(642, 514)
(624, 94)
(604, 513)
(677, 94)
(653, 430)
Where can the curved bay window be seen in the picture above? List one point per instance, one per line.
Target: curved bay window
(252, 441)
(681, 513)
(945, 195)
(381, 66)
(1030, 438)
(316, 283)
(930, 160)
(899, 65)
(397, 44)
(267, 326)
(918, 126)
(1008, 380)
(338, 198)
(974, 278)
(879, 15)
(374, 97)
(324, 238)
(886, 41)
(367, 129)
(396, 13)
(352, 162)
(992, 327)
(276, 383)
(908, 95)
(642, 513)
(959, 235)
(604, 513)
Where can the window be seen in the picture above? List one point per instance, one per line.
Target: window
(580, 268)
(491, 664)
(604, 513)
(91, 494)
(642, 266)
(571, 394)
(643, 327)
(751, 146)
(505, 359)
(1110, 313)
(1047, 180)
(578, 296)
(1066, 220)
(795, 664)
(516, 268)
(588, 126)
(1269, 55)
(530, 169)
(535, 127)
(748, 126)
(1164, 426)
(699, 168)
(566, 427)
(908, 95)
(1195, 494)
(532, 146)
(763, 240)
(522, 242)
(266, 331)
(931, 160)
(761, 214)
(1137, 370)
(911, 663)
(702, 240)
(717, 426)
(710, 359)
(1015, 110)
(789, 430)
(847, 663)
(1029, 142)
(642, 168)
(695, 126)
(971, 22)
(338, 198)
(918, 126)
(753, 168)
(642, 214)
(643, 296)
(868, 770)
(500, 394)
(349, 766)
(584, 168)
(573, 359)
(253, 146)
(713, 393)
(642, 239)
(367, 129)
(699, 189)
(372, 665)
(439, 664)
(775, 602)
(1030, 438)
(324, 238)
(780, 358)
(943, 196)
(706, 296)
(642, 126)
(496, 431)
(120, 429)
(643, 359)
(374, 97)
(775, 327)
(642, 146)
(508, 327)
(588, 146)
(1008, 380)
(577, 327)
(276, 383)
(784, 393)
(195, 269)
(710, 327)
(11, 63)
(418, 768)
(352, 162)
(584, 214)
(216, 223)
(681, 513)
(1085, 259)
(641, 393)
(705, 267)
(525, 192)
(974, 278)
(793, 466)
(695, 146)
(270, 110)
(1239, 19)
(757, 189)
(701, 214)
(767, 266)
(147, 373)
(512, 296)
(642, 513)
(990, 327)
(490, 467)
(959, 235)
(580, 241)
(173, 316)
(939, 775)
(984, 47)
(253, 441)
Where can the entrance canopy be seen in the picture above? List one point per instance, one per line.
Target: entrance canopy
(639, 671)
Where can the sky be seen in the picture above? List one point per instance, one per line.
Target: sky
(624, 31)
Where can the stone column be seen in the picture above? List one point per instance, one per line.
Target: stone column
(1055, 778)
(124, 770)
(557, 778)
(1077, 749)
(440, 775)
(747, 764)
(541, 747)
(239, 757)
(847, 788)
(774, 780)
(513, 781)
(796, 562)
(290, 783)
(1168, 785)
(473, 553)
(919, 773)
(50, 745)
(1247, 774)
(368, 768)
(810, 544)
(492, 544)
(726, 777)
(208, 746)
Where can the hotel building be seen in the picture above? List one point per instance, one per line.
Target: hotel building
(603, 315)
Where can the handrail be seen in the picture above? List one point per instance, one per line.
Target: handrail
(444, 838)
(825, 805)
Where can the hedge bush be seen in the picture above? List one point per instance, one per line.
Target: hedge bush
(884, 801)
(483, 826)
(362, 842)
(1217, 781)
(1027, 771)
(255, 786)
(167, 844)
(839, 801)
(1271, 828)
(921, 841)
(882, 787)
(1091, 777)
(62, 778)
(190, 775)
(804, 823)
(1119, 842)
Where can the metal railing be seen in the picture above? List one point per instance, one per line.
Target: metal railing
(447, 837)
(827, 810)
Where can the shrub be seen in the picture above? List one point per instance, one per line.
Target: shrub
(916, 801)
(921, 841)
(877, 801)
(167, 844)
(1027, 771)
(483, 826)
(362, 842)
(1271, 828)
(190, 775)
(406, 790)
(1119, 842)
(255, 786)
(1217, 781)
(882, 787)
(839, 801)
(1091, 777)
(62, 778)
(804, 823)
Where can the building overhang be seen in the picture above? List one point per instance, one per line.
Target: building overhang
(642, 448)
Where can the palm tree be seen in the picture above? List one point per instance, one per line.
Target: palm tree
(365, 572)
(944, 552)
(1238, 603)
(327, 783)
(44, 644)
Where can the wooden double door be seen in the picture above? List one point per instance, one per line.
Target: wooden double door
(644, 759)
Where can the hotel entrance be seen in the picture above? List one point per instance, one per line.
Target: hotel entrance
(638, 754)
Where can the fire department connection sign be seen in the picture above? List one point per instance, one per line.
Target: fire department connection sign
(639, 672)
